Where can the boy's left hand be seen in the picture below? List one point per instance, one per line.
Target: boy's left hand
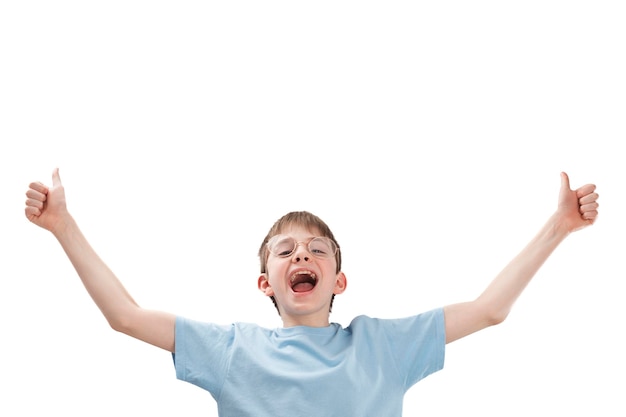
(577, 208)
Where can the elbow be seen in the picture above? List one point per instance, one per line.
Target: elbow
(491, 312)
(118, 325)
(121, 323)
(122, 318)
(496, 316)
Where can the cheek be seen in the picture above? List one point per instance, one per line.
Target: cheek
(330, 267)
(276, 266)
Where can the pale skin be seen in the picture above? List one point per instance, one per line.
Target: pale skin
(46, 207)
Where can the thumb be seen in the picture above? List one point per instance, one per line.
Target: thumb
(56, 178)
(565, 182)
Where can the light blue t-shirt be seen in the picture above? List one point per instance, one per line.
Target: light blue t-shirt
(361, 370)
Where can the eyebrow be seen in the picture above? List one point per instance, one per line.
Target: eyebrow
(283, 236)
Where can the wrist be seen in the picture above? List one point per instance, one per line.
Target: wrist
(63, 226)
(559, 226)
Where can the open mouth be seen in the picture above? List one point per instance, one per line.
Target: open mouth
(303, 281)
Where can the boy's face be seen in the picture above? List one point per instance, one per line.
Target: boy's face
(302, 283)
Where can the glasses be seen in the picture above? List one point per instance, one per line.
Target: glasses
(284, 246)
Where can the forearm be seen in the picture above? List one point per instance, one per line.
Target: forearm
(101, 283)
(495, 303)
(498, 298)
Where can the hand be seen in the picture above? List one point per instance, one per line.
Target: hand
(45, 206)
(577, 208)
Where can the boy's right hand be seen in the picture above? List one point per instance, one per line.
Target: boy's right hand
(45, 206)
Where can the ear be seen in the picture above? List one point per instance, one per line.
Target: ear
(341, 283)
(264, 285)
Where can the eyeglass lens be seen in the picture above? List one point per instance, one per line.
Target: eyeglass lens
(321, 247)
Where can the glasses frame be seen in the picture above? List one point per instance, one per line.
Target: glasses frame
(308, 246)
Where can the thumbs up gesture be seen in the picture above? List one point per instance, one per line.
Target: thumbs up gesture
(577, 208)
(45, 206)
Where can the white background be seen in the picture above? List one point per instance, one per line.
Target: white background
(429, 137)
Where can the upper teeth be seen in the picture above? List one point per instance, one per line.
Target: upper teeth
(309, 273)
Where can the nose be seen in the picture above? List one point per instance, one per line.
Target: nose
(301, 253)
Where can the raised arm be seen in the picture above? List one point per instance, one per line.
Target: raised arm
(576, 210)
(46, 207)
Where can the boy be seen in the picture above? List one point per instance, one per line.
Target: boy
(310, 366)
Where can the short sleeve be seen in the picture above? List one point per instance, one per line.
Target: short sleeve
(419, 344)
(412, 346)
(202, 352)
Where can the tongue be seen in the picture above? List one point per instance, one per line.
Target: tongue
(303, 287)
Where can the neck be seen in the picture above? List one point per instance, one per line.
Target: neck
(310, 321)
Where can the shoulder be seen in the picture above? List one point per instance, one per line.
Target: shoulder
(428, 318)
(198, 329)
